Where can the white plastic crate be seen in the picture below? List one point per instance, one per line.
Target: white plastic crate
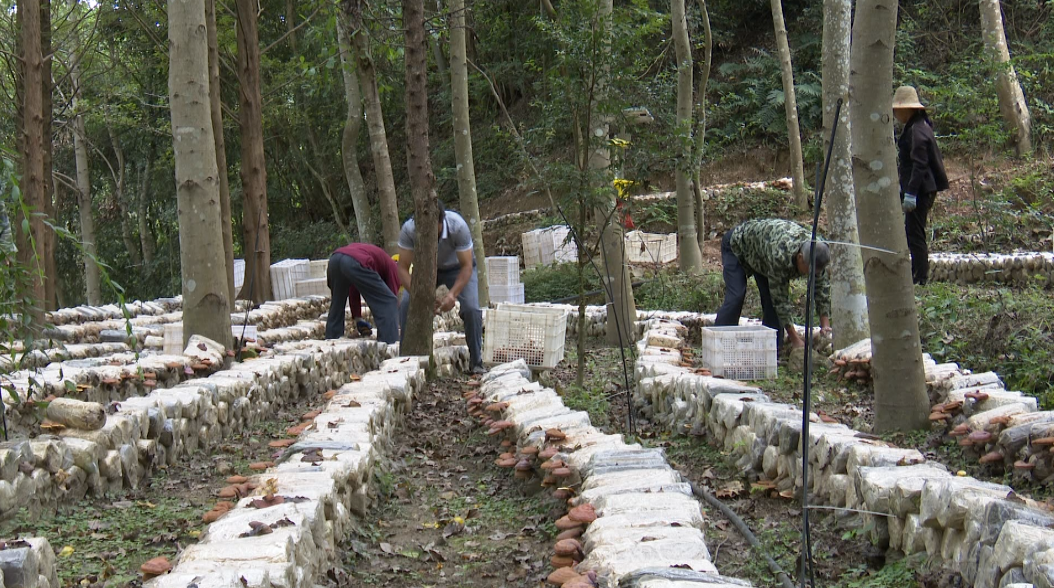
(317, 268)
(284, 276)
(517, 333)
(548, 246)
(740, 352)
(239, 274)
(510, 293)
(172, 343)
(503, 271)
(644, 247)
(312, 287)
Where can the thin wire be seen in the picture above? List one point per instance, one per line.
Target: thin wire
(807, 562)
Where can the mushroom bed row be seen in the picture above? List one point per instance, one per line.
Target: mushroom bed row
(633, 521)
(993, 536)
(1013, 268)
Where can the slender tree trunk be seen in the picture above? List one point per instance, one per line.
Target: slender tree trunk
(1011, 99)
(466, 170)
(435, 39)
(848, 292)
(31, 246)
(349, 141)
(315, 153)
(389, 201)
(691, 258)
(417, 339)
(146, 234)
(206, 307)
(50, 269)
(221, 150)
(900, 386)
(622, 310)
(790, 104)
(700, 127)
(118, 197)
(257, 238)
(92, 289)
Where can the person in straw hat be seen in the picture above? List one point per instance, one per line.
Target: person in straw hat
(922, 175)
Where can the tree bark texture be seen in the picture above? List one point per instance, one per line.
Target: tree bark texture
(700, 126)
(615, 271)
(382, 163)
(50, 269)
(466, 169)
(848, 291)
(349, 140)
(31, 246)
(92, 288)
(691, 259)
(790, 104)
(146, 234)
(1012, 103)
(118, 199)
(901, 401)
(221, 149)
(257, 238)
(206, 307)
(417, 338)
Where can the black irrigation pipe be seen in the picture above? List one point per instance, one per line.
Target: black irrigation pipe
(744, 530)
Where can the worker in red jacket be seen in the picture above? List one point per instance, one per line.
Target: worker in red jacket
(363, 269)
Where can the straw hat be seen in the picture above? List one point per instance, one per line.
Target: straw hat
(906, 97)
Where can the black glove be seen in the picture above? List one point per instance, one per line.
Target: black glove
(364, 328)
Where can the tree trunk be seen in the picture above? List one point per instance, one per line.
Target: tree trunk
(1011, 100)
(146, 234)
(691, 258)
(790, 103)
(50, 269)
(466, 170)
(31, 246)
(315, 153)
(221, 150)
(389, 201)
(700, 127)
(349, 140)
(118, 198)
(257, 238)
(92, 288)
(848, 292)
(206, 307)
(900, 387)
(622, 310)
(417, 338)
(435, 41)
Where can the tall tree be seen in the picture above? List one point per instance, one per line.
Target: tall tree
(146, 233)
(1011, 100)
(466, 169)
(206, 310)
(382, 163)
(848, 291)
(417, 337)
(691, 258)
(900, 380)
(216, 108)
(92, 289)
(349, 142)
(790, 105)
(256, 234)
(700, 125)
(31, 246)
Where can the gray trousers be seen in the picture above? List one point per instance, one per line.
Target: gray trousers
(345, 272)
(470, 312)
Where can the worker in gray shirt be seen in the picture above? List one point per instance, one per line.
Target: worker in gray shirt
(456, 269)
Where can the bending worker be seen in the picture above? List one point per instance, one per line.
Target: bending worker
(363, 269)
(456, 269)
(774, 251)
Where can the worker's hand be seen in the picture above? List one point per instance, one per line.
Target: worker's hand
(364, 328)
(446, 303)
(909, 203)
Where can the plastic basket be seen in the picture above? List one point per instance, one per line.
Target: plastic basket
(239, 274)
(284, 276)
(317, 268)
(502, 294)
(740, 352)
(172, 342)
(535, 337)
(644, 247)
(548, 246)
(312, 287)
(503, 271)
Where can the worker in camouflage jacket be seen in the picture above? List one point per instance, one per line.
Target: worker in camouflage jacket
(774, 251)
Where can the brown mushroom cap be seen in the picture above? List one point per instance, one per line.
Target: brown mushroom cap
(497, 407)
(552, 464)
(562, 576)
(555, 434)
(564, 523)
(1024, 465)
(155, 567)
(562, 561)
(529, 450)
(567, 547)
(524, 466)
(548, 452)
(507, 462)
(562, 472)
(583, 513)
(582, 582)
(980, 437)
(561, 494)
(573, 533)
(991, 457)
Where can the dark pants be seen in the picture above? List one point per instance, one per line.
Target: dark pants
(470, 312)
(736, 291)
(345, 272)
(915, 226)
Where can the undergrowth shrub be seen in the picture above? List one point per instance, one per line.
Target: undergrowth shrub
(549, 283)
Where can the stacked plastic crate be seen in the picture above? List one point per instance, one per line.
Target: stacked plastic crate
(548, 246)
(503, 279)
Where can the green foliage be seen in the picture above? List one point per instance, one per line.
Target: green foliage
(736, 204)
(672, 290)
(1007, 331)
(315, 240)
(544, 284)
(892, 575)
